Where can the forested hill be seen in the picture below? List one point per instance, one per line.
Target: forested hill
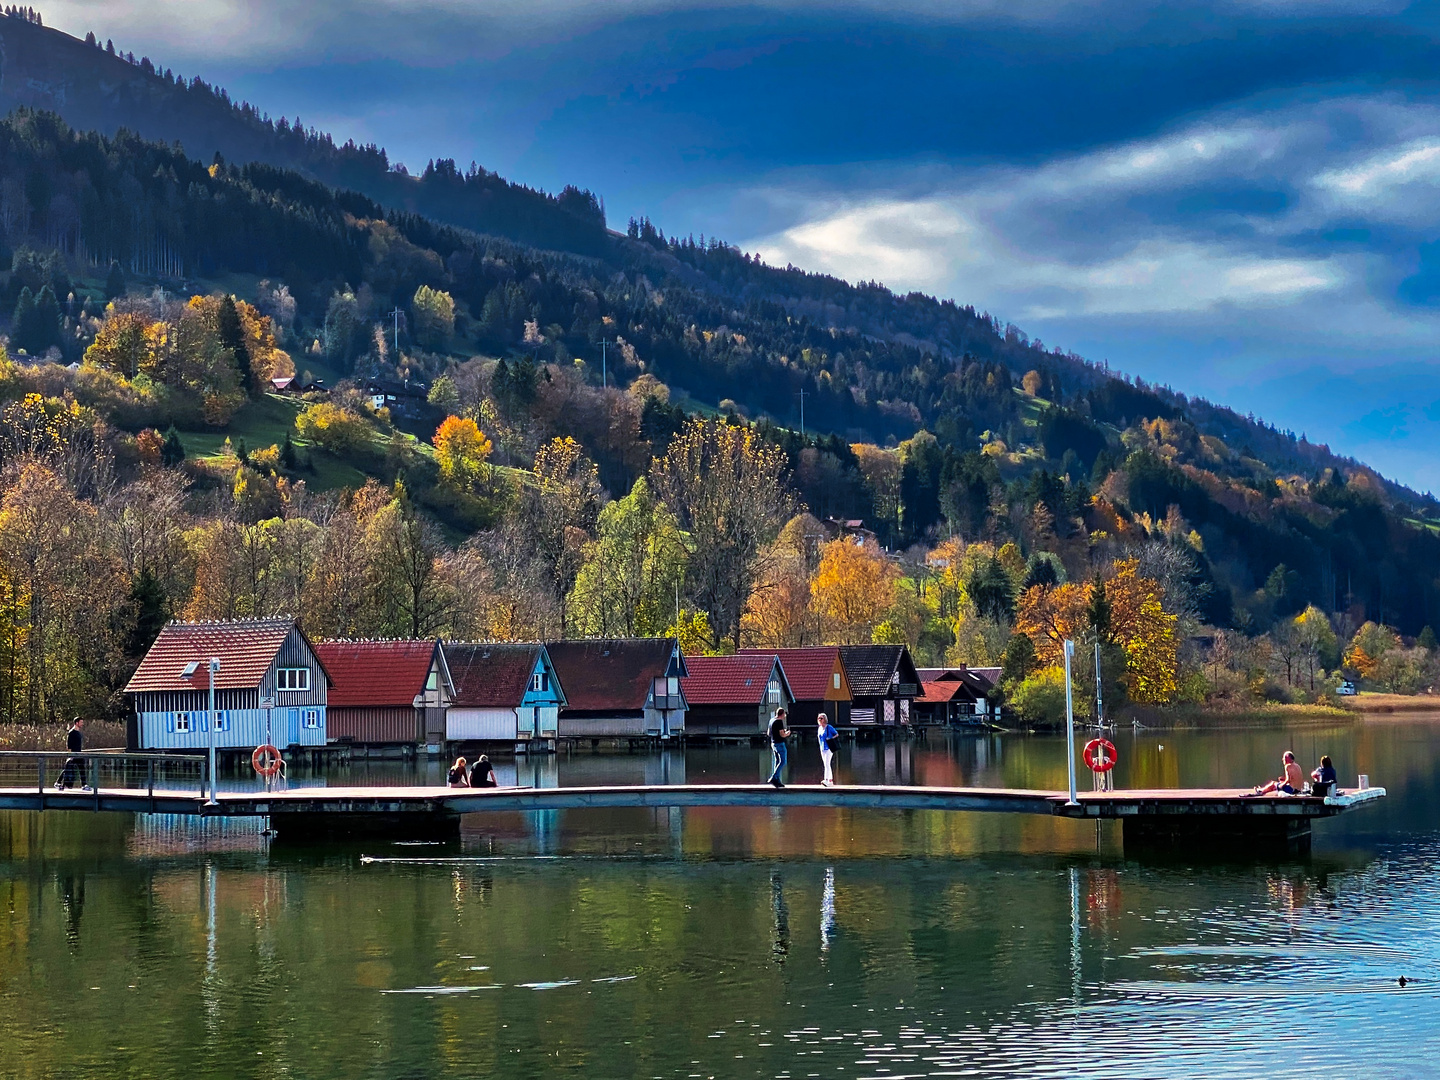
(95, 88)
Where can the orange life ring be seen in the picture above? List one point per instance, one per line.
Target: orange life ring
(267, 760)
(1100, 755)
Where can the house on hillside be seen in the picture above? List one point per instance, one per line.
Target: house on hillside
(734, 695)
(883, 682)
(387, 692)
(958, 695)
(503, 693)
(620, 688)
(271, 686)
(817, 680)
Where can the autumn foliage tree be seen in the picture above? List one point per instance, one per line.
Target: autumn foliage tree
(853, 588)
(461, 449)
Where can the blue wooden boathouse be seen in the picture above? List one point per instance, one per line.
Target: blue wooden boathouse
(270, 680)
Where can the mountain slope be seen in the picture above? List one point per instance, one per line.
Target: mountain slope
(93, 89)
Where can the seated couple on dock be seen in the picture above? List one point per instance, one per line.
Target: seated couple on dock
(1291, 781)
(482, 774)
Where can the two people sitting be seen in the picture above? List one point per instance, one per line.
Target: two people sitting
(481, 774)
(1292, 782)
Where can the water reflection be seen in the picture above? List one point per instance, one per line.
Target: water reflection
(728, 942)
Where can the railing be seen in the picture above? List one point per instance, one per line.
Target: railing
(93, 772)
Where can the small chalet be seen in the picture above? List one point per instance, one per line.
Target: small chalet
(883, 682)
(503, 693)
(403, 397)
(619, 688)
(271, 686)
(817, 679)
(734, 695)
(958, 695)
(387, 692)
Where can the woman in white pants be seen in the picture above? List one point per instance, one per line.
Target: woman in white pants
(827, 735)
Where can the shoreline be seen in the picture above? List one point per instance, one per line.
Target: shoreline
(1393, 704)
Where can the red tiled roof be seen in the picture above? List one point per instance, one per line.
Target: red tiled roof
(937, 693)
(245, 648)
(807, 670)
(729, 680)
(375, 672)
(489, 676)
(599, 675)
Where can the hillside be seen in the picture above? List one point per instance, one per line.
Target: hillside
(153, 297)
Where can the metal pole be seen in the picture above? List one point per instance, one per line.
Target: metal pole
(214, 669)
(1099, 703)
(1070, 721)
(604, 345)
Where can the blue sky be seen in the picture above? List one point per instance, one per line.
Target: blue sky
(1240, 199)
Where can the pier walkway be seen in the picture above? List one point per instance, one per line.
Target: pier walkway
(1150, 818)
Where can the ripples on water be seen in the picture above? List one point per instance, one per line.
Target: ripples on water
(724, 943)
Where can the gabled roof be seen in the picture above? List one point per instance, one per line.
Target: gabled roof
(807, 669)
(245, 648)
(493, 676)
(742, 679)
(979, 680)
(377, 673)
(610, 674)
(937, 693)
(870, 669)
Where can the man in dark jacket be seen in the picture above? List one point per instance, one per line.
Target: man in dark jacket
(74, 767)
(778, 732)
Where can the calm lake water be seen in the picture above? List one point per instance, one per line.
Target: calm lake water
(739, 943)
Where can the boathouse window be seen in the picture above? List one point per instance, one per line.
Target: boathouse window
(432, 680)
(292, 678)
(182, 724)
(539, 682)
(774, 692)
(836, 678)
(312, 718)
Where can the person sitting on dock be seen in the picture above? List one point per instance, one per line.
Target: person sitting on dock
(1288, 782)
(458, 776)
(483, 773)
(1322, 780)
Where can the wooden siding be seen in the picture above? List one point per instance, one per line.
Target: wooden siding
(295, 653)
(602, 727)
(240, 728)
(482, 725)
(727, 719)
(374, 724)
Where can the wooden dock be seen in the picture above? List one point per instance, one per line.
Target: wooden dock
(1156, 818)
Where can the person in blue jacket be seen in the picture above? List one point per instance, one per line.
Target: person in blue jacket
(827, 735)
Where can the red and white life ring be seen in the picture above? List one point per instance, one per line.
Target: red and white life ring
(267, 760)
(1100, 755)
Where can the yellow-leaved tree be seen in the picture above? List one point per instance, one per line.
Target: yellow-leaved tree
(1140, 623)
(462, 450)
(853, 588)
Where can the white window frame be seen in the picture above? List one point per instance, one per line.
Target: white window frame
(280, 680)
(311, 718)
(539, 682)
(182, 723)
(836, 677)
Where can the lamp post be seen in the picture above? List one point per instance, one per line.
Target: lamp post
(1070, 721)
(214, 670)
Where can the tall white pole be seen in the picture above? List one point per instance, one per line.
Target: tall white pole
(1099, 703)
(1070, 721)
(214, 669)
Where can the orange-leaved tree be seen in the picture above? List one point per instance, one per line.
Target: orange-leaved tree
(853, 588)
(461, 449)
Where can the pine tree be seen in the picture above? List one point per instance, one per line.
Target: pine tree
(288, 458)
(114, 282)
(23, 320)
(172, 453)
(232, 337)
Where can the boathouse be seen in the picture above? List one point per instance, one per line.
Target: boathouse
(957, 695)
(883, 683)
(734, 695)
(271, 686)
(620, 687)
(387, 693)
(817, 680)
(503, 693)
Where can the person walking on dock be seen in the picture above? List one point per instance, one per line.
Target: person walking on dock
(74, 767)
(778, 733)
(482, 773)
(827, 735)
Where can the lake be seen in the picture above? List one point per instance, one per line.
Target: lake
(730, 942)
